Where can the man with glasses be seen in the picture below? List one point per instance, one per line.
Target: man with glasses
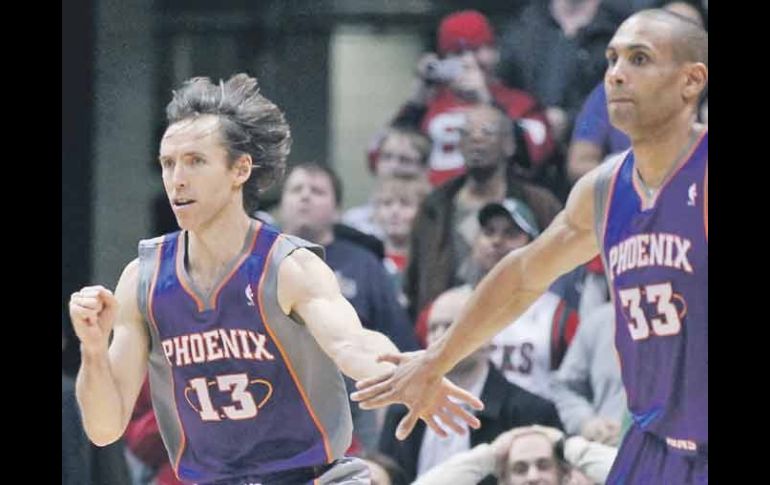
(446, 224)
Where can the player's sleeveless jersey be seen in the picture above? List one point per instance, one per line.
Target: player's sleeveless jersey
(656, 256)
(238, 387)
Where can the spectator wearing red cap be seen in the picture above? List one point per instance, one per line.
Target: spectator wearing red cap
(462, 74)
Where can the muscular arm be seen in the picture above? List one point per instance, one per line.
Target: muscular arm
(110, 378)
(521, 277)
(308, 287)
(501, 297)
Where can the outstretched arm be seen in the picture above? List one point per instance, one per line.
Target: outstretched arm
(501, 297)
(307, 286)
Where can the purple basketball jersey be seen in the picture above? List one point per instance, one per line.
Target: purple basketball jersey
(656, 255)
(239, 388)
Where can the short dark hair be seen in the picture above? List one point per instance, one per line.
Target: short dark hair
(315, 167)
(248, 122)
(696, 5)
(504, 122)
(691, 41)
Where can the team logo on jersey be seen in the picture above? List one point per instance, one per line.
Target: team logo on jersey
(217, 344)
(249, 296)
(648, 250)
(692, 193)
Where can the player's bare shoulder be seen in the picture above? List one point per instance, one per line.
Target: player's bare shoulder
(580, 209)
(127, 287)
(304, 257)
(300, 267)
(126, 293)
(303, 275)
(131, 271)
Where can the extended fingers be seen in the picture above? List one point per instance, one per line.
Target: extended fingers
(461, 413)
(366, 383)
(446, 418)
(464, 396)
(408, 422)
(383, 397)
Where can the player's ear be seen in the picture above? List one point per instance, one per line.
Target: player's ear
(695, 79)
(242, 168)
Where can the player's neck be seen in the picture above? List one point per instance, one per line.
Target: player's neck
(657, 154)
(220, 241)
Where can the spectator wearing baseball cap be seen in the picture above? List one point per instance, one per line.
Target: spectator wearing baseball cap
(465, 30)
(463, 74)
(528, 351)
(517, 211)
(531, 348)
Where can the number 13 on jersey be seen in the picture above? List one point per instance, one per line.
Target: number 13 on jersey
(237, 386)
